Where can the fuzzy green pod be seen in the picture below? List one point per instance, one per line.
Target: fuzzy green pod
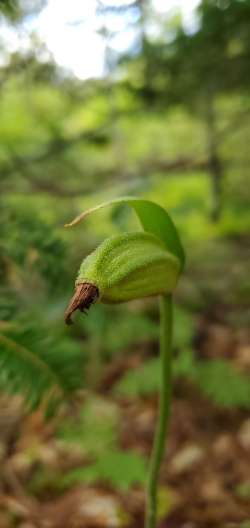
(130, 266)
(125, 267)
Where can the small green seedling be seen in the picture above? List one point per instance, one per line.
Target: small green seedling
(133, 266)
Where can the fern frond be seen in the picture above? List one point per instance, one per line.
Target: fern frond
(37, 366)
(217, 379)
(223, 383)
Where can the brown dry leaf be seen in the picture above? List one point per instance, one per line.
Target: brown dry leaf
(243, 356)
(212, 490)
(186, 458)
(85, 508)
(25, 525)
(102, 511)
(244, 434)
(16, 508)
(223, 444)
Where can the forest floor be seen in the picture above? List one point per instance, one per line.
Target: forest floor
(205, 476)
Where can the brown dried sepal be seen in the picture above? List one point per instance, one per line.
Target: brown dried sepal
(85, 295)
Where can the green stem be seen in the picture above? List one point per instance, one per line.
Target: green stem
(166, 324)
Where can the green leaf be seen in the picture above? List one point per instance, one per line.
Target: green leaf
(40, 368)
(95, 430)
(119, 468)
(145, 379)
(223, 383)
(217, 379)
(154, 219)
(140, 381)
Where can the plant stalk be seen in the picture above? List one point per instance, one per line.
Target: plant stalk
(166, 328)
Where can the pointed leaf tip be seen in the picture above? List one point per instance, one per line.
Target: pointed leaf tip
(154, 219)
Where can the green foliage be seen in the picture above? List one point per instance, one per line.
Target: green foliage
(223, 384)
(29, 245)
(44, 369)
(119, 468)
(243, 490)
(37, 359)
(96, 432)
(134, 327)
(220, 279)
(141, 381)
(166, 501)
(64, 146)
(217, 379)
(45, 480)
(8, 304)
(16, 9)
(10, 8)
(145, 380)
(184, 328)
(172, 69)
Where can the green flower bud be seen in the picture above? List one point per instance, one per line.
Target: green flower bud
(132, 266)
(125, 267)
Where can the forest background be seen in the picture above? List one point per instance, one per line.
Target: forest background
(166, 118)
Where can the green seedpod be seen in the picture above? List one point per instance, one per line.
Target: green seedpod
(125, 267)
(130, 266)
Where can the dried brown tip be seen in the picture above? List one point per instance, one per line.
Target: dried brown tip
(85, 295)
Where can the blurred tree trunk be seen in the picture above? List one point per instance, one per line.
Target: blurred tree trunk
(215, 165)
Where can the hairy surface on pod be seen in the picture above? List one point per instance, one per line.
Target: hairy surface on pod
(130, 266)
